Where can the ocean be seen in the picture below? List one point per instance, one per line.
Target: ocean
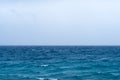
(59, 63)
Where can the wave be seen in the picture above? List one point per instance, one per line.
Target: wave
(47, 79)
(45, 65)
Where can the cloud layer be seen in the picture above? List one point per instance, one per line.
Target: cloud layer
(64, 22)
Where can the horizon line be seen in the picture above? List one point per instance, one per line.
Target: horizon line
(59, 45)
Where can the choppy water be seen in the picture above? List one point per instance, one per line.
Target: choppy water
(59, 63)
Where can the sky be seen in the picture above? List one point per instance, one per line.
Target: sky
(59, 22)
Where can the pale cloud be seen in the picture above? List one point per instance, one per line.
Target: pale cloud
(45, 22)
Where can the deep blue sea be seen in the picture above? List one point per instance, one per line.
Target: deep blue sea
(59, 63)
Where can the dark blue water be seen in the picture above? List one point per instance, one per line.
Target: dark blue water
(59, 63)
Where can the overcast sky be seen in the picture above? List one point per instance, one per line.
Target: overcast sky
(59, 22)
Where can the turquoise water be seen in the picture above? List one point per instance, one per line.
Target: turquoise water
(59, 63)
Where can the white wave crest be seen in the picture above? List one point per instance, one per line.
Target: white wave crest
(47, 79)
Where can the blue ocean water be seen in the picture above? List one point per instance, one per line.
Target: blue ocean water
(59, 63)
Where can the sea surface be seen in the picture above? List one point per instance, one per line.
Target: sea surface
(59, 63)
